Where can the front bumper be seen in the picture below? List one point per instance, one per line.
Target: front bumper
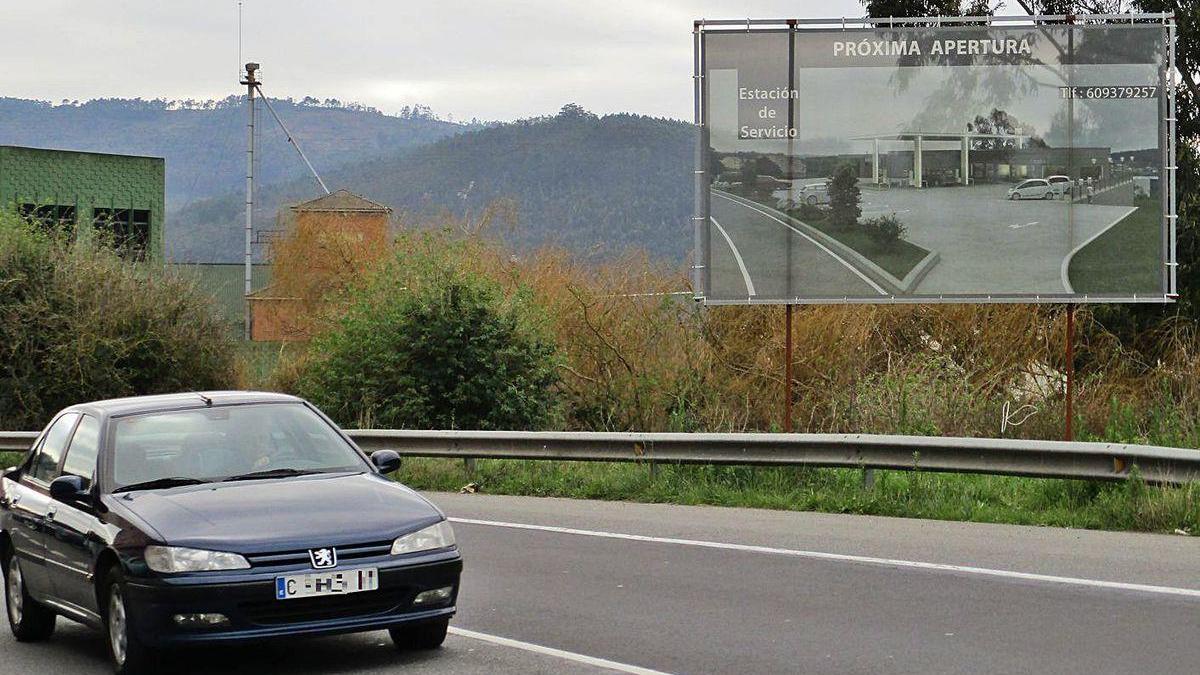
(248, 600)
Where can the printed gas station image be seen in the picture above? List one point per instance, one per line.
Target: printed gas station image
(934, 164)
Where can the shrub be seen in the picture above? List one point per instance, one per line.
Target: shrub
(428, 344)
(845, 197)
(885, 230)
(809, 213)
(78, 323)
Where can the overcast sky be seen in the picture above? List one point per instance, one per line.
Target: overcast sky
(491, 59)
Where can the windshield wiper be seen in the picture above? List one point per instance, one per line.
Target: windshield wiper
(159, 483)
(273, 473)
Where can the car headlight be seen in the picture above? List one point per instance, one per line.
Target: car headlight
(171, 559)
(439, 535)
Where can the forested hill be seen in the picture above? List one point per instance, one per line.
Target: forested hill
(204, 142)
(594, 184)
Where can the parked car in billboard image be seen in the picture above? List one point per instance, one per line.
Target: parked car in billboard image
(1034, 188)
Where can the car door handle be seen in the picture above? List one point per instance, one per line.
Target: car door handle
(50, 513)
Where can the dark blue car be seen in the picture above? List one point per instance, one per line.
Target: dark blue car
(213, 517)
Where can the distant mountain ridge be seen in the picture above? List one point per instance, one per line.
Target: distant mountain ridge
(204, 142)
(594, 184)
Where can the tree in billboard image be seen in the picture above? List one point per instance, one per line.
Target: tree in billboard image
(845, 199)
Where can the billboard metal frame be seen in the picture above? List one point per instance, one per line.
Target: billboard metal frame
(702, 244)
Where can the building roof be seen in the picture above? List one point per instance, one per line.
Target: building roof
(934, 136)
(342, 200)
(80, 152)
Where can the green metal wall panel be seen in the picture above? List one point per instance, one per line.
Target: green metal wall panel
(86, 180)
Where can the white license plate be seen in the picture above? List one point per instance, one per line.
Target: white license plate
(326, 583)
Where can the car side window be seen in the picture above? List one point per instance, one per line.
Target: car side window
(45, 464)
(84, 448)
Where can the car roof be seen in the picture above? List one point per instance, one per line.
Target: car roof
(115, 407)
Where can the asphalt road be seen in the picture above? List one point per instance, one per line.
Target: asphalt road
(700, 589)
(987, 243)
(752, 251)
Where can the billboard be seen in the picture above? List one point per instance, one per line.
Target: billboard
(935, 163)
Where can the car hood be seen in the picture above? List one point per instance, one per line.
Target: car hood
(281, 514)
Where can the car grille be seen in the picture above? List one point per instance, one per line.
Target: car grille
(275, 612)
(345, 553)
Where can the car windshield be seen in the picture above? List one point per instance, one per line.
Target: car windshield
(223, 442)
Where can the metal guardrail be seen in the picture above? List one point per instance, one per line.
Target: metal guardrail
(16, 441)
(1040, 459)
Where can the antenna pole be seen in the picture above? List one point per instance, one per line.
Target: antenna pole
(251, 83)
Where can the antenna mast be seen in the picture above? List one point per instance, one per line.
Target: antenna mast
(251, 83)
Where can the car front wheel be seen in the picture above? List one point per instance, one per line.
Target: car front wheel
(428, 635)
(30, 620)
(126, 653)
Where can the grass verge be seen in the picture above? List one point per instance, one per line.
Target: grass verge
(1126, 259)
(988, 499)
(910, 494)
(897, 258)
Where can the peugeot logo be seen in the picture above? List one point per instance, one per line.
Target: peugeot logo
(323, 558)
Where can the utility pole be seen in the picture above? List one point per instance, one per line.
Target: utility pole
(251, 83)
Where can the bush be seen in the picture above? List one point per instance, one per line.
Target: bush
(885, 230)
(845, 197)
(78, 323)
(808, 213)
(427, 344)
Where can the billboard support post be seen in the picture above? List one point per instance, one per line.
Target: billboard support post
(1069, 434)
(787, 370)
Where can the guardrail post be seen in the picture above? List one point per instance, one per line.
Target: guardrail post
(469, 465)
(868, 479)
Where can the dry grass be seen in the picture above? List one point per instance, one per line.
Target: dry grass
(638, 358)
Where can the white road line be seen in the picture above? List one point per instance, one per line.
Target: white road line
(737, 256)
(551, 651)
(1065, 271)
(816, 243)
(842, 557)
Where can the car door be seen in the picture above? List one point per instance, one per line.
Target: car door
(30, 503)
(72, 537)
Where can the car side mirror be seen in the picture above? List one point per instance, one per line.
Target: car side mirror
(386, 461)
(67, 489)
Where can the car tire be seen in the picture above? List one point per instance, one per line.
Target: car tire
(29, 620)
(127, 654)
(812, 200)
(422, 636)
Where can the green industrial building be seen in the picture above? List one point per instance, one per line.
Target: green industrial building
(77, 193)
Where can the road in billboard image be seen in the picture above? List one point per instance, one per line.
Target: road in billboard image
(935, 163)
